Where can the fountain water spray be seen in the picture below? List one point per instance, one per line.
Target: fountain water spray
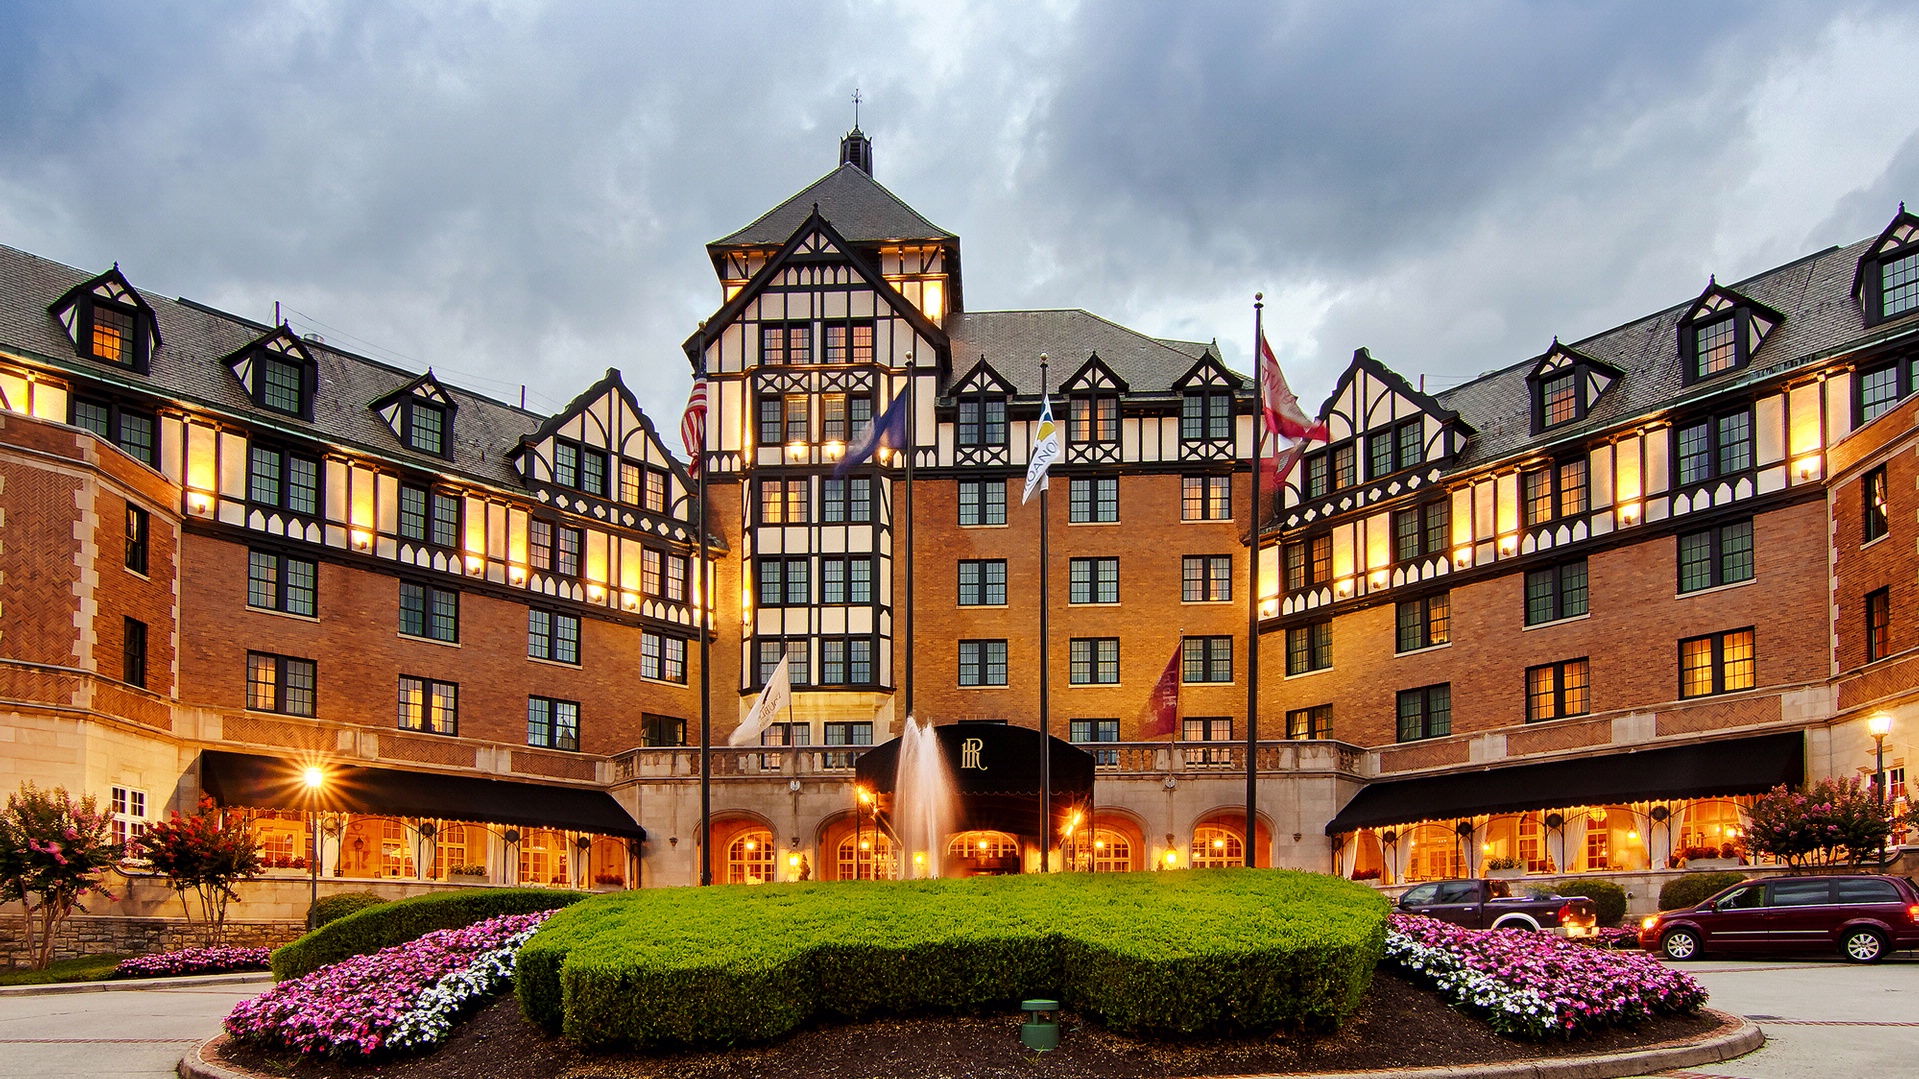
(925, 802)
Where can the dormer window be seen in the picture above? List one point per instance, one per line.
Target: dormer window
(1721, 332)
(1715, 347)
(1887, 282)
(982, 421)
(281, 386)
(278, 372)
(421, 413)
(1094, 418)
(113, 333)
(1391, 449)
(1565, 385)
(108, 321)
(579, 467)
(426, 427)
(1899, 284)
(1206, 416)
(1559, 398)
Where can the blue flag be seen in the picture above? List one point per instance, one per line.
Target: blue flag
(889, 431)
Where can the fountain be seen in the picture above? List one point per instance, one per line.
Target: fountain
(924, 801)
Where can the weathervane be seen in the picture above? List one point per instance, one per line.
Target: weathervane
(856, 108)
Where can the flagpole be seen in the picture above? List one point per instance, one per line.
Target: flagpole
(1045, 726)
(1252, 586)
(912, 437)
(706, 667)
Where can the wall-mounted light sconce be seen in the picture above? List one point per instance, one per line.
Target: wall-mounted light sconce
(199, 501)
(796, 450)
(1378, 579)
(595, 593)
(1269, 608)
(1343, 588)
(1629, 513)
(516, 574)
(1806, 467)
(833, 450)
(1508, 544)
(474, 564)
(362, 539)
(1462, 557)
(630, 600)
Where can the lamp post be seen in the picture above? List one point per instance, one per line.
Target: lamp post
(314, 779)
(1879, 724)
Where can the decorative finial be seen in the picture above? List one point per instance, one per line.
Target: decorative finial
(1259, 297)
(856, 108)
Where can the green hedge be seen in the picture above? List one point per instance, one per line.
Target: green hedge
(1214, 951)
(393, 923)
(332, 908)
(1691, 889)
(1609, 899)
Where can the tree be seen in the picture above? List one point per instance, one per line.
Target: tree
(53, 851)
(206, 853)
(1832, 820)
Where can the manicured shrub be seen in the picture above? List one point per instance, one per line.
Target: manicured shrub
(1692, 889)
(1214, 951)
(1609, 899)
(388, 924)
(332, 908)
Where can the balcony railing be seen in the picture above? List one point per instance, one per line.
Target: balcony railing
(1115, 759)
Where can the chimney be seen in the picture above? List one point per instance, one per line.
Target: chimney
(857, 150)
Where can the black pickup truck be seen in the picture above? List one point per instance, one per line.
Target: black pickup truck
(1492, 904)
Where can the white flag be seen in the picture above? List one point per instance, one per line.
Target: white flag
(773, 700)
(1045, 451)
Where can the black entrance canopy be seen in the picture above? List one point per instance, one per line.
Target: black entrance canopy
(259, 782)
(995, 767)
(1737, 766)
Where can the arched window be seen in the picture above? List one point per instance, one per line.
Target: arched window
(543, 857)
(983, 846)
(1112, 852)
(609, 862)
(396, 853)
(450, 848)
(749, 858)
(1215, 848)
(1432, 853)
(874, 857)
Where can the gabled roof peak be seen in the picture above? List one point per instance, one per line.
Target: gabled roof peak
(858, 206)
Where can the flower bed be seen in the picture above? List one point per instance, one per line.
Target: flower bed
(403, 998)
(193, 961)
(1530, 985)
(1613, 937)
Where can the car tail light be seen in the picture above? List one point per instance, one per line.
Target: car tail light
(1566, 914)
(1912, 914)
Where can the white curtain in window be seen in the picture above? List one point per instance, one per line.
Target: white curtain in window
(1348, 850)
(1572, 847)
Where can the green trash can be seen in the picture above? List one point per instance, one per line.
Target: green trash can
(1040, 1032)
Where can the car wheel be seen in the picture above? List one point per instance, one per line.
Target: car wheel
(1680, 944)
(1863, 946)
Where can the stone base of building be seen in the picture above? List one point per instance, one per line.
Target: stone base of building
(90, 934)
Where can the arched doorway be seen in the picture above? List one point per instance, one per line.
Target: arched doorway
(983, 853)
(543, 858)
(1216, 847)
(750, 857)
(872, 856)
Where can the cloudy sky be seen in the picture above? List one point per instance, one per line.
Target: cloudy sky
(520, 193)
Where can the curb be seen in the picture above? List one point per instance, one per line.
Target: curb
(54, 988)
(1740, 1040)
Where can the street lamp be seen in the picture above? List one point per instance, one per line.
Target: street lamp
(1879, 724)
(314, 778)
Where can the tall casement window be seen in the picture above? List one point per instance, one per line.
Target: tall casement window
(1315, 474)
(1714, 556)
(1093, 580)
(982, 663)
(429, 516)
(799, 670)
(785, 582)
(642, 486)
(982, 582)
(982, 502)
(786, 342)
(281, 684)
(1717, 663)
(846, 579)
(130, 429)
(846, 661)
(129, 813)
(580, 467)
(1206, 578)
(1878, 625)
(1422, 531)
(849, 342)
(429, 706)
(1718, 446)
(844, 418)
(425, 427)
(848, 501)
(1206, 659)
(1391, 449)
(137, 528)
(280, 383)
(652, 568)
(1093, 500)
(133, 652)
(283, 480)
(1094, 661)
(663, 657)
(1314, 722)
(1423, 622)
(426, 611)
(1206, 498)
(278, 582)
(982, 421)
(1558, 690)
(785, 419)
(676, 568)
(1873, 493)
(553, 636)
(1556, 592)
(1560, 490)
(1094, 731)
(1330, 470)
(1093, 418)
(553, 724)
(783, 502)
(1426, 712)
(1308, 648)
(1206, 416)
(1308, 563)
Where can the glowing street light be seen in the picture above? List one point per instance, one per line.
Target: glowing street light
(313, 777)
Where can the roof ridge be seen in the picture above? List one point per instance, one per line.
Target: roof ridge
(803, 195)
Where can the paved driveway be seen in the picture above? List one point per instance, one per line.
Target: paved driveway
(1824, 1019)
(131, 1033)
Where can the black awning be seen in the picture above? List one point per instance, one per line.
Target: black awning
(1737, 766)
(988, 758)
(260, 782)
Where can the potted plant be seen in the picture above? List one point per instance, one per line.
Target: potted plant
(466, 874)
(1505, 868)
(608, 882)
(1702, 858)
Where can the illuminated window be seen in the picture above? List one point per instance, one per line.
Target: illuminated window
(783, 501)
(451, 847)
(1559, 398)
(749, 858)
(1093, 419)
(663, 657)
(544, 858)
(1314, 722)
(129, 814)
(1206, 498)
(1719, 663)
(429, 706)
(1423, 622)
(137, 528)
(1216, 848)
(1206, 578)
(873, 856)
(281, 684)
(553, 724)
(112, 333)
(849, 343)
(1557, 690)
(997, 847)
(1873, 494)
(1112, 852)
(1878, 625)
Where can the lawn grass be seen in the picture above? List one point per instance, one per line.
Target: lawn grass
(87, 968)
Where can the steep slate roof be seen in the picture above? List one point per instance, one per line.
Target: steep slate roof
(188, 368)
(1013, 340)
(1814, 293)
(856, 204)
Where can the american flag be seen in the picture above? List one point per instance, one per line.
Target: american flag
(693, 427)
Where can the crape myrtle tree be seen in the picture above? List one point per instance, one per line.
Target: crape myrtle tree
(205, 853)
(53, 852)
(1831, 822)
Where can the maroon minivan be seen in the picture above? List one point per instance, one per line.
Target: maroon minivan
(1864, 917)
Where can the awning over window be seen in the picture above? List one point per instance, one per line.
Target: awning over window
(260, 782)
(1738, 766)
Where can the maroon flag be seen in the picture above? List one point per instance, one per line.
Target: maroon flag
(693, 427)
(1283, 414)
(1161, 714)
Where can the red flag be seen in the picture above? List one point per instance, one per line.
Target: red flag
(1274, 478)
(1283, 414)
(1161, 714)
(693, 427)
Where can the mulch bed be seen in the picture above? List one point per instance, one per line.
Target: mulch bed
(1398, 1025)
